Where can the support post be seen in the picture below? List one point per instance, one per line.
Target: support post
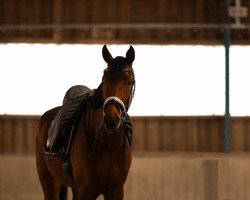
(227, 146)
(57, 20)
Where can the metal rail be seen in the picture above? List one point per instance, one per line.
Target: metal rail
(67, 26)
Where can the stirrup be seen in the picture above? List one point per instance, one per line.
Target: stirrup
(50, 154)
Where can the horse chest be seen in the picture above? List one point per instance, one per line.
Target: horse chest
(110, 173)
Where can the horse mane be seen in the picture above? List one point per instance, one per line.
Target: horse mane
(96, 100)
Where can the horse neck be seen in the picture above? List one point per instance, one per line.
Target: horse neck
(93, 123)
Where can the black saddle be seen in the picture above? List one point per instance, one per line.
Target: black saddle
(73, 100)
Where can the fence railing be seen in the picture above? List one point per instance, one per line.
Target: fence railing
(189, 133)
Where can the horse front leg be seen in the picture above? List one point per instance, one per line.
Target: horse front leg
(51, 189)
(117, 194)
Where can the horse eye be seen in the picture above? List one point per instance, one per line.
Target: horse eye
(130, 82)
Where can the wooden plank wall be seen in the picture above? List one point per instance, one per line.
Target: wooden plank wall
(17, 134)
(42, 12)
(179, 133)
(196, 133)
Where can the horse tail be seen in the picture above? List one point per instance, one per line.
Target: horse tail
(63, 193)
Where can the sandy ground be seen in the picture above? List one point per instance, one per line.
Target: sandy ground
(153, 176)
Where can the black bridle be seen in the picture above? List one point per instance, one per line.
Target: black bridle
(126, 123)
(122, 106)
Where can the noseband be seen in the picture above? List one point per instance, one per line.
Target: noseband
(118, 103)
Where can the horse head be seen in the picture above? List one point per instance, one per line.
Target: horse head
(118, 87)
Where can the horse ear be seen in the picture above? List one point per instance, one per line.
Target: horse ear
(130, 55)
(106, 55)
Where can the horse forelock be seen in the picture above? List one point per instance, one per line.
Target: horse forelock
(117, 66)
(118, 63)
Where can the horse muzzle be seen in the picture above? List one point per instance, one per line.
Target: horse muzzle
(113, 111)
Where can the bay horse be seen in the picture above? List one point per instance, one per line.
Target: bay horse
(98, 168)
